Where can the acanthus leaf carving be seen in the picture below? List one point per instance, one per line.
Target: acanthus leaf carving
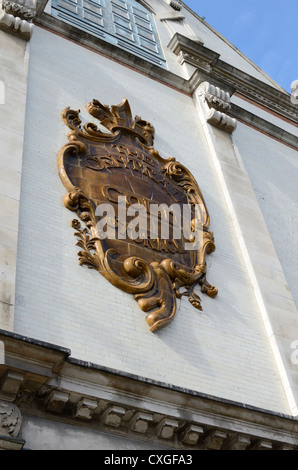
(216, 104)
(10, 419)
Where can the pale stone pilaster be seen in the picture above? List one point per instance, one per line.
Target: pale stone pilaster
(273, 295)
(13, 74)
(15, 29)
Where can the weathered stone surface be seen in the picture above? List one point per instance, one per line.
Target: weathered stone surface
(140, 422)
(113, 416)
(85, 408)
(10, 419)
(57, 401)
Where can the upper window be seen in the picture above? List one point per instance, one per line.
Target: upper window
(124, 23)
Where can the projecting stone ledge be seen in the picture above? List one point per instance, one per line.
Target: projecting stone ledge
(208, 66)
(49, 384)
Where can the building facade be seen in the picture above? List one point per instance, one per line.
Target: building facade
(152, 347)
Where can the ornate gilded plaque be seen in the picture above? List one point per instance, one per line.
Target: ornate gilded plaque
(142, 220)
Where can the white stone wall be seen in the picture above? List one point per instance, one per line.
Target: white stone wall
(42, 434)
(272, 168)
(223, 351)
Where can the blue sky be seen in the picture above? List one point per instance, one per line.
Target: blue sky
(266, 31)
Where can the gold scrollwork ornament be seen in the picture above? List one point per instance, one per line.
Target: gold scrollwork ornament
(96, 167)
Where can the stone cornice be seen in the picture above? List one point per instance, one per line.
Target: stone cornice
(26, 358)
(247, 117)
(248, 86)
(43, 380)
(193, 52)
(264, 126)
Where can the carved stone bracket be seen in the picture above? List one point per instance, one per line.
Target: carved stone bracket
(140, 422)
(200, 62)
(262, 445)
(208, 66)
(10, 384)
(216, 104)
(193, 53)
(192, 434)
(166, 428)
(85, 408)
(113, 416)
(238, 442)
(17, 17)
(57, 401)
(214, 440)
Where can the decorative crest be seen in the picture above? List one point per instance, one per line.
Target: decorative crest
(119, 173)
